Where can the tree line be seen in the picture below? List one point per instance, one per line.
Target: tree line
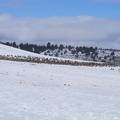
(49, 46)
(57, 50)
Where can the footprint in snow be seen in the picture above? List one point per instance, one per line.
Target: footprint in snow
(67, 84)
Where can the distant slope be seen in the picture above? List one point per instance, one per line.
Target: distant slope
(71, 52)
(15, 54)
(7, 50)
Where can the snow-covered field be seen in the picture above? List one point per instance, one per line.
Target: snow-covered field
(56, 92)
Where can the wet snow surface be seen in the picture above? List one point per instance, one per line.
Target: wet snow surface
(57, 92)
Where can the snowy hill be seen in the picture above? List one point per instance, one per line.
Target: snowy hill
(83, 53)
(100, 55)
(30, 91)
(15, 54)
(7, 50)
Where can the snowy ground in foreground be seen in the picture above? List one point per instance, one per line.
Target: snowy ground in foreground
(55, 92)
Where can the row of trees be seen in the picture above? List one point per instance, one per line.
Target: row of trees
(41, 48)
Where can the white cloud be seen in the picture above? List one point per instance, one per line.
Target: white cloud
(79, 30)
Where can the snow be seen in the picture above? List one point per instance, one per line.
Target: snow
(7, 50)
(30, 91)
(57, 92)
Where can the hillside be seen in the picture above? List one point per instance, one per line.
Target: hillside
(31, 91)
(71, 52)
(15, 54)
(7, 50)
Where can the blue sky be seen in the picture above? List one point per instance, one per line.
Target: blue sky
(79, 22)
(47, 8)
